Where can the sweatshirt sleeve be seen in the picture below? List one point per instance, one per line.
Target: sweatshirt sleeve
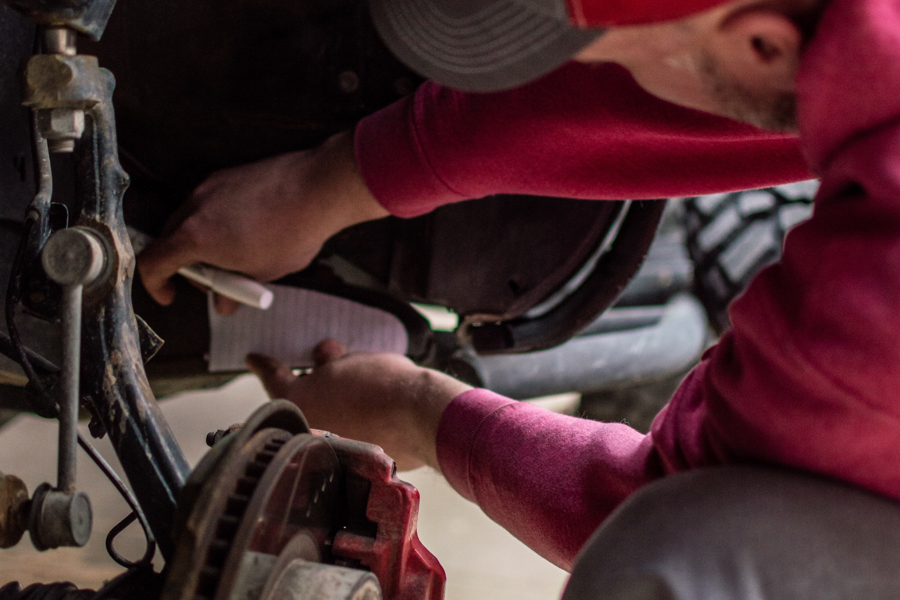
(548, 479)
(586, 132)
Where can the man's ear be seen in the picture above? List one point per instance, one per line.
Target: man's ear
(761, 48)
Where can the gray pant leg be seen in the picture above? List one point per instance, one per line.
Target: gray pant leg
(744, 533)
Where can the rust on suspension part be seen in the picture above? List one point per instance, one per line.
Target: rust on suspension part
(13, 510)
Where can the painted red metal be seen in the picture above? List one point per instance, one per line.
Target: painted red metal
(405, 569)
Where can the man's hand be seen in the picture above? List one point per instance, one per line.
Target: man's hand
(266, 219)
(383, 399)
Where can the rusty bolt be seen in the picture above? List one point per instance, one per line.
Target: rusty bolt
(61, 127)
(13, 510)
(348, 82)
(53, 72)
(60, 40)
(213, 437)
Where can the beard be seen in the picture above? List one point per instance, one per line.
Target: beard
(769, 110)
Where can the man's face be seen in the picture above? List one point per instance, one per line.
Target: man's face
(770, 107)
(738, 60)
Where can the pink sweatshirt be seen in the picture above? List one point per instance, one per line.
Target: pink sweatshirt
(810, 374)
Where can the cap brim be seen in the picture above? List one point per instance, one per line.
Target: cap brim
(500, 45)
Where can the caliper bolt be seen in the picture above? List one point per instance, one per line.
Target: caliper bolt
(213, 437)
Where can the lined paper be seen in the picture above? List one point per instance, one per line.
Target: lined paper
(297, 321)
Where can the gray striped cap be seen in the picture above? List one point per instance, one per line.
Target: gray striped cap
(480, 45)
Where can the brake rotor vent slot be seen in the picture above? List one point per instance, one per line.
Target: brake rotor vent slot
(228, 523)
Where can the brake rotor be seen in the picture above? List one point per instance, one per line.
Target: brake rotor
(255, 491)
(271, 511)
(295, 500)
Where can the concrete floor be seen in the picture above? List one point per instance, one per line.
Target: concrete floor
(481, 559)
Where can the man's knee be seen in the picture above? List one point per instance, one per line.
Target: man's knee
(742, 533)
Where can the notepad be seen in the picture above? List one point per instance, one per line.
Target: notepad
(297, 321)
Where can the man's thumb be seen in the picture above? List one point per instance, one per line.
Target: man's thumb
(275, 376)
(159, 261)
(327, 351)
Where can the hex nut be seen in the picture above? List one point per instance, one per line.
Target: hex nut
(49, 71)
(61, 123)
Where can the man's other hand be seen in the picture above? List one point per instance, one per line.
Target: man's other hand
(383, 399)
(266, 219)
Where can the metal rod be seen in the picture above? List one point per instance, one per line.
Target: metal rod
(69, 386)
(43, 173)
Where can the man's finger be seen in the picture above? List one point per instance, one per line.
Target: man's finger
(160, 261)
(275, 376)
(162, 293)
(225, 306)
(327, 351)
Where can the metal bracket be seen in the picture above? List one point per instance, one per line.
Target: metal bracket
(60, 87)
(88, 17)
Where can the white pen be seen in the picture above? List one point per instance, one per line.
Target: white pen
(231, 285)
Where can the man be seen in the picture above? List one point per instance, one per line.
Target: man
(808, 376)
(585, 131)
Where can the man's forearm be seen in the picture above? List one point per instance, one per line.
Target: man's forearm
(338, 185)
(581, 132)
(547, 478)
